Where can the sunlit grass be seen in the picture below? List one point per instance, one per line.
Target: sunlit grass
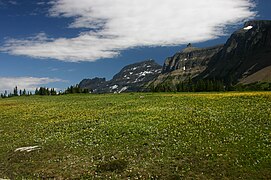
(166, 136)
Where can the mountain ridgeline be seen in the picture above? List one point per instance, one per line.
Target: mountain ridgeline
(244, 59)
(131, 78)
(246, 56)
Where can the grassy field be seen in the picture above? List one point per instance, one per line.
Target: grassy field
(137, 136)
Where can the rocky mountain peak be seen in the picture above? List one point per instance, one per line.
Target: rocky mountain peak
(191, 60)
(189, 45)
(131, 78)
(245, 57)
(257, 23)
(246, 52)
(94, 83)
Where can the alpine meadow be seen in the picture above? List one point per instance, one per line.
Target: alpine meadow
(137, 136)
(135, 90)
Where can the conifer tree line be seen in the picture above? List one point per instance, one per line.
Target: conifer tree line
(16, 92)
(51, 92)
(44, 91)
(209, 86)
(186, 86)
(190, 86)
(75, 90)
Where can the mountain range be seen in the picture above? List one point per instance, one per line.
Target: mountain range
(244, 59)
(131, 78)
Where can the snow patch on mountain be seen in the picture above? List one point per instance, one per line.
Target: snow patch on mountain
(114, 87)
(248, 27)
(123, 89)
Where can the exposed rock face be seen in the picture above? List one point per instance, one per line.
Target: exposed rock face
(188, 63)
(131, 78)
(246, 52)
(263, 75)
(191, 59)
(92, 84)
(135, 76)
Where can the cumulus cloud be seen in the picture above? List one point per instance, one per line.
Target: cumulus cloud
(116, 25)
(28, 83)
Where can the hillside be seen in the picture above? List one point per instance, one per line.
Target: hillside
(188, 63)
(245, 58)
(246, 53)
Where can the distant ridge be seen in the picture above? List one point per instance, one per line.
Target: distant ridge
(131, 78)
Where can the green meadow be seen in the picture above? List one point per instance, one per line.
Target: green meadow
(137, 136)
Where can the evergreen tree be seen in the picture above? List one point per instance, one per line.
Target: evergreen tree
(15, 91)
(37, 92)
(52, 92)
(24, 92)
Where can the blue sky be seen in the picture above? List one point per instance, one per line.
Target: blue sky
(58, 43)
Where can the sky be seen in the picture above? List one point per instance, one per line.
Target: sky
(57, 43)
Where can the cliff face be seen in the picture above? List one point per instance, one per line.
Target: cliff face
(95, 83)
(188, 63)
(246, 52)
(191, 59)
(131, 78)
(245, 58)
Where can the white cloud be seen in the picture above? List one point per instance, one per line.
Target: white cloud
(28, 83)
(124, 24)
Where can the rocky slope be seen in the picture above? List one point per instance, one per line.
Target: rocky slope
(245, 58)
(131, 78)
(246, 52)
(188, 63)
(191, 60)
(95, 83)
